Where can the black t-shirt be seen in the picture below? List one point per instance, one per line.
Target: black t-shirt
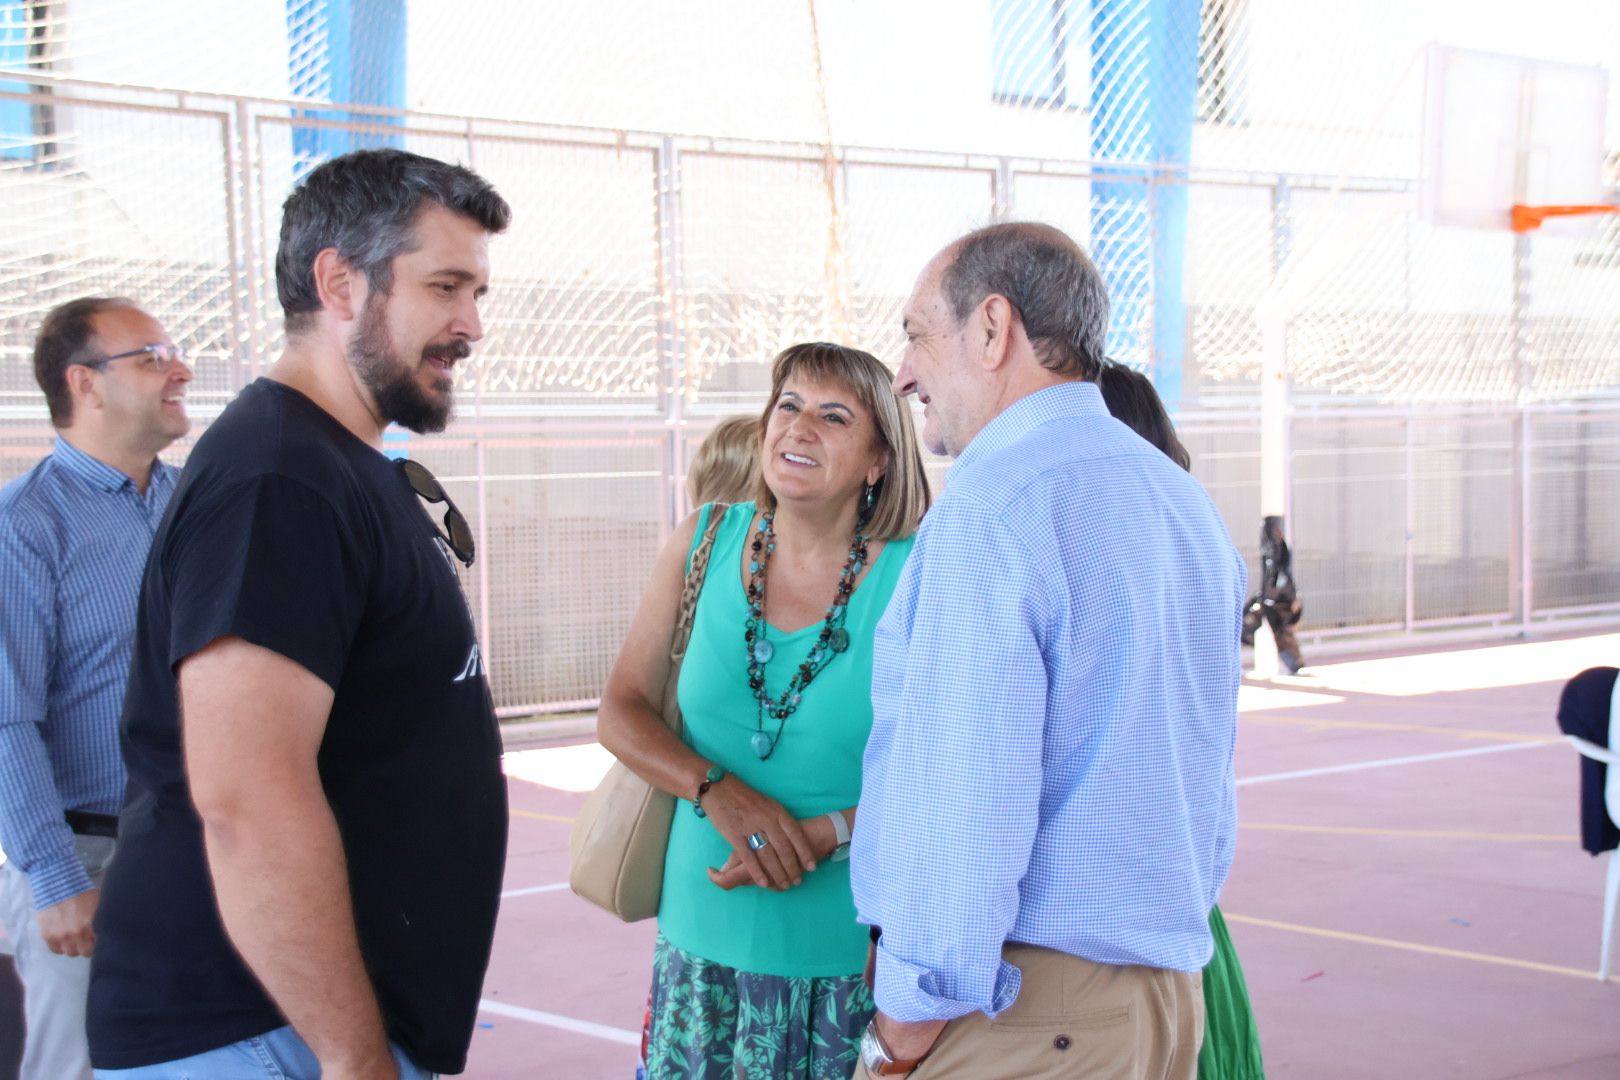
(290, 532)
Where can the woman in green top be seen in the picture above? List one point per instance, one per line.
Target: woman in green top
(758, 962)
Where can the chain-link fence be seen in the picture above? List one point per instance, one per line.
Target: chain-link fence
(648, 279)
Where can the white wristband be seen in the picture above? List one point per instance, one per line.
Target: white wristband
(840, 826)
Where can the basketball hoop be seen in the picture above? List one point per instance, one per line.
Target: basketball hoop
(1510, 141)
(1529, 218)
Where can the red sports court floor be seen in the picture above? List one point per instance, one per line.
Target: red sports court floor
(1409, 900)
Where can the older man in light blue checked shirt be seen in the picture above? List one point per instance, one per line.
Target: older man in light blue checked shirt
(74, 535)
(1048, 805)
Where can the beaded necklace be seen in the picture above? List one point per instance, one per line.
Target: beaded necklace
(832, 640)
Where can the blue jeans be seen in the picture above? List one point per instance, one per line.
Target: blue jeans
(275, 1055)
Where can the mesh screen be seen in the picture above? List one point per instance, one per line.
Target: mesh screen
(96, 209)
(1575, 519)
(1349, 493)
(1461, 476)
(567, 528)
(697, 186)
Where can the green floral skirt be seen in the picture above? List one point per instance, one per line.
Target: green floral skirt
(707, 1021)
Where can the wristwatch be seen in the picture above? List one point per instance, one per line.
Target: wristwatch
(841, 832)
(875, 1056)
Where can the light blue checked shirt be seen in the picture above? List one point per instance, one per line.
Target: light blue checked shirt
(1055, 696)
(74, 534)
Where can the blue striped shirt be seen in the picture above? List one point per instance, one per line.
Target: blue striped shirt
(74, 533)
(1055, 706)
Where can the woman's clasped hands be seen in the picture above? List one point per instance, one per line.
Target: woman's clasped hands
(769, 846)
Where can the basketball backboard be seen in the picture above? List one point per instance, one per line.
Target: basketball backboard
(1500, 131)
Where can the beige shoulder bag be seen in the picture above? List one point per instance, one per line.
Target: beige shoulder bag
(616, 851)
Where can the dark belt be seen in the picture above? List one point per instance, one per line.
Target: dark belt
(87, 824)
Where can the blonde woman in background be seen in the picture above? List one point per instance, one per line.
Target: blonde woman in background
(726, 465)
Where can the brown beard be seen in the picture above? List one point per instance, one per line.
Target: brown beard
(393, 383)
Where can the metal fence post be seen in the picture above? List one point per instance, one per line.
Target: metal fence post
(481, 475)
(1524, 377)
(1149, 338)
(236, 264)
(248, 268)
(1276, 475)
(486, 632)
(1409, 530)
(1001, 193)
(671, 328)
(1524, 516)
(1282, 225)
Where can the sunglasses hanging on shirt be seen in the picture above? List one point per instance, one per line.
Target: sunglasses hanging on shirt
(456, 530)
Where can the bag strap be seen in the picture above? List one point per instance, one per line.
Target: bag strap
(694, 585)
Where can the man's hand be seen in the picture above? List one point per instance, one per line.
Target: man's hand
(378, 1068)
(66, 926)
(905, 1041)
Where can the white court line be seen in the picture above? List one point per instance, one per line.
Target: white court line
(1382, 762)
(621, 1036)
(531, 890)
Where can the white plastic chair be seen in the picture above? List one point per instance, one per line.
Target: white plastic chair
(1611, 802)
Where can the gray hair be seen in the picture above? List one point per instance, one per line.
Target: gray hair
(365, 204)
(1048, 279)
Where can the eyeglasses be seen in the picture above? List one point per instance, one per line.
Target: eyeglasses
(457, 531)
(160, 357)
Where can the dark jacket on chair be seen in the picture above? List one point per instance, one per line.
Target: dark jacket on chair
(1583, 711)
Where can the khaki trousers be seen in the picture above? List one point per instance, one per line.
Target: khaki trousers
(1074, 1018)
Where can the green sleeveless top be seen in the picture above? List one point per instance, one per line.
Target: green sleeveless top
(810, 930)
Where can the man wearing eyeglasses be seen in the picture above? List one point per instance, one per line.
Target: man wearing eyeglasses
(312, 861)
(74, 534)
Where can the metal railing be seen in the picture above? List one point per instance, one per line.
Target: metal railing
(648, 278)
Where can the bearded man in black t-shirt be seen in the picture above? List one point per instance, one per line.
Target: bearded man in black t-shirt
(310, 861)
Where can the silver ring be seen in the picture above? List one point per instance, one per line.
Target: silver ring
(758, 842)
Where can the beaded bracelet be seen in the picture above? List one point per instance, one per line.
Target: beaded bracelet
(710, 778)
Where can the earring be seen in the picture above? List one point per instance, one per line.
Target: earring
(870, 500)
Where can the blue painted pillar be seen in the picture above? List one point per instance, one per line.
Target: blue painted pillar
(1144, 84)
(16, 117)
(345, 51)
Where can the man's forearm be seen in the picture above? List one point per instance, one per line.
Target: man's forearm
(35, 837)
(283, 888)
